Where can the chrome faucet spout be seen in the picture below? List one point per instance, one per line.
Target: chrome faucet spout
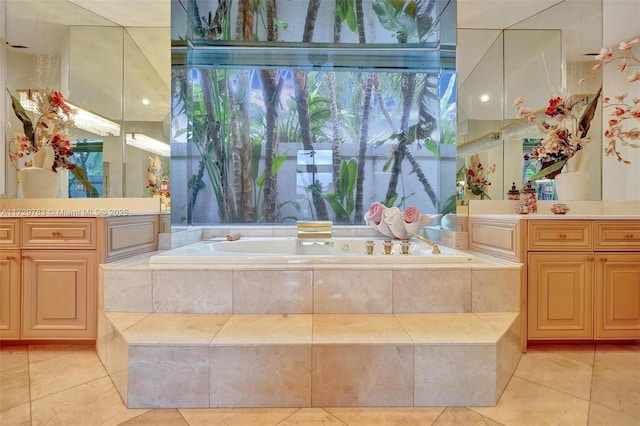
(436, 249)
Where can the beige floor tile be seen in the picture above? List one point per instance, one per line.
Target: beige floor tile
(92, 403)
(164, 417)
(41, 352)
(63, 372)
(604, 416)
(392, 416)
(567, 369)
(310, 417)
(616, 378)
(457, 416)
(16, 416)
(13, 356)
(236, 416)
(527, 403)
(14, 387)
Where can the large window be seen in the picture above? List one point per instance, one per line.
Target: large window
(279, 116)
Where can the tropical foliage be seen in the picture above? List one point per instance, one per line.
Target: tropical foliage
(244, 121)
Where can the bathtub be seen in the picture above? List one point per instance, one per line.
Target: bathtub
(272, 250)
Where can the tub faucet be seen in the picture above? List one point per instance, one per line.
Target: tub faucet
(314, 229)
(436, 249)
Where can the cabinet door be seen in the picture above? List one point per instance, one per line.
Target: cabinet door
(59, 294)
(618, 296)
(10, 294)
(560, 292)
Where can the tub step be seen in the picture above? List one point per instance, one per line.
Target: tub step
(174, 360)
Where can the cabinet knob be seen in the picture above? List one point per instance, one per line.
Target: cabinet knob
(55, 234)
(11, 258)
(563, 235)
(629, 235)
(24, 256)
(603, 259)
(590, 259)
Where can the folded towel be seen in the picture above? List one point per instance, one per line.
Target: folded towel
(424, 220)
(411, 214)
(233, 236)
(393, 218)
(374, 215)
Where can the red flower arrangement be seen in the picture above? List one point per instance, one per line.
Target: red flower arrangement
(46, 143)
(477, 181)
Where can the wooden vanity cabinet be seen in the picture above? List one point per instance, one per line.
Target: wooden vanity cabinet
(9, 278)
(583, 280)
(49, 267)
(560, 295)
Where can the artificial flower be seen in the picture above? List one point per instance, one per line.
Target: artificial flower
(619, 131)
(45, 141)
(564, 131)
(477, 181)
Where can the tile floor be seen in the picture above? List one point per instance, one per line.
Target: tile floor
(568, 385)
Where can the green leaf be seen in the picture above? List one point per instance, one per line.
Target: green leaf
(81, 175)
(22, 115)
(552, 168)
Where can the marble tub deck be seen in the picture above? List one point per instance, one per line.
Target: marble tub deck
(197, 336)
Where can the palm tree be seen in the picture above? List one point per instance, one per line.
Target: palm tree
(271, 87)
(302, 104)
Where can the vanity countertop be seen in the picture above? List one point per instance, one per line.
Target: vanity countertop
(567, 216)
(578, 210)
(78, 207)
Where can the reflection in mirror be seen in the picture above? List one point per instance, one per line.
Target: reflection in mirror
(95, 83)
(535, 58)
(103, 68)
(146, 113)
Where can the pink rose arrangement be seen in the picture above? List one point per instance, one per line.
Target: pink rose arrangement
(393, 223)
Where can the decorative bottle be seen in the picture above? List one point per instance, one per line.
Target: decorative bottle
(513, 193)
(530, 198)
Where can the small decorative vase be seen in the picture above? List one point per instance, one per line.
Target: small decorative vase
(38, 183)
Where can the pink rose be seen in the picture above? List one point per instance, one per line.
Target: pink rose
(374, 214)
(411, 214)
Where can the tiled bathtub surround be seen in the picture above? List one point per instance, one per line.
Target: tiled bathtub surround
(484, 286)
(305, 360)
(305, 335)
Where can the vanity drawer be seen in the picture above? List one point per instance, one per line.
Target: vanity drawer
(618, 235)
(560, 235)
(64, 233)
(9, 234)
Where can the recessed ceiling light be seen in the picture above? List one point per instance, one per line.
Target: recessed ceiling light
(484, 98)
(145, 101)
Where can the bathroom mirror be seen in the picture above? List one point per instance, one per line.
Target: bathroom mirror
(528, 49)
(105, 62)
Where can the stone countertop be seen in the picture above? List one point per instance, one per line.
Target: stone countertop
(551, 216)
(578, 210)
(78, 207)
